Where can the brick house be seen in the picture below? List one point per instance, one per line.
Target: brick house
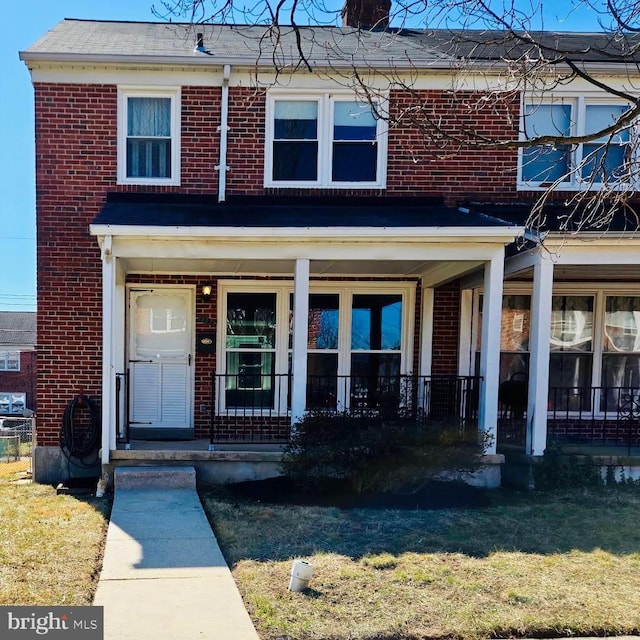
(17, 362)
(221, 248)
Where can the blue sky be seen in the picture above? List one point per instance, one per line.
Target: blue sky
(25, 22)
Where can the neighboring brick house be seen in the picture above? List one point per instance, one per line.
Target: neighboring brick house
(17, 362)
(191, 219)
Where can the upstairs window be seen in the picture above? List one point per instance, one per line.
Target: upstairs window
(589, 165)
(324, 141)
(148, 138)
(9, 361)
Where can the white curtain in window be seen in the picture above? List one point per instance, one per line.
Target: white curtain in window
(149, 117)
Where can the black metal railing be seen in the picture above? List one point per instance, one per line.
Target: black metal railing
(594, 416)
(257, 408)
(588, 416)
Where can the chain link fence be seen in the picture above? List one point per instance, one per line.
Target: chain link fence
(16, 446)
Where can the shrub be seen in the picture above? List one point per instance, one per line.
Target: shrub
(559, 470)
(377, 452)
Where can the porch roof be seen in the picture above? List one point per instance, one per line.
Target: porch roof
(180, 210)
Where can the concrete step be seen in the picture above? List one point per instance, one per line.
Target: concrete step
(166, 477)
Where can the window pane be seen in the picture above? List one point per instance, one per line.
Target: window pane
(604, 158)
(161, 326)
(546, 163)
(514, 366)
(250, 379)
(622, 324)
(601, 116)
(570, 382)
(354, 162)
(295, 161)
(353, 121)
(376, 322)
(10, 360)
(296, 120)
(149, 117)
(572, 323)
(603, 162)
(516, 319)
(322, 380)
(148, 158)
(251, 320)
(323, 321)
(621, 370)
(515, 323)
(374, 377)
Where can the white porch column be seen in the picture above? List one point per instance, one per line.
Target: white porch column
(490, 352)
(108, 372)
(539, 341)
(300, 337)
(426, 337)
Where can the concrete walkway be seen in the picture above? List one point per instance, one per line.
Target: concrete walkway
(163, 575)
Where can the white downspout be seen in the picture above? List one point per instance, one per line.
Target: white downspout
(223, 129)
(108, 397)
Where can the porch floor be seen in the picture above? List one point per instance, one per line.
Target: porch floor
(200, 444)
(196, 451)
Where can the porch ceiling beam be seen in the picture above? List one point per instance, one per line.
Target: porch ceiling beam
(620, 253)
(445, 271)
(347, 251)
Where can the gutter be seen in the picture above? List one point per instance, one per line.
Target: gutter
(320, 63)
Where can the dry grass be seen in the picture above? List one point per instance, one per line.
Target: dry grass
(50, 546)
(526, 565)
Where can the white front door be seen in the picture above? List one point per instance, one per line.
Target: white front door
(160, 358)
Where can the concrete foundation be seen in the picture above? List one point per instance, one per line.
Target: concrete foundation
(488, 476)
(519, 469)
(221, 467)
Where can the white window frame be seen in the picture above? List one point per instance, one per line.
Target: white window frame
(599, 291)
(174, 94)
(5, 356)
(325, 101)
(345, 292)
(578, 103)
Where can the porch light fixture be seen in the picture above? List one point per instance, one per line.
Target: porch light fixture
(206, 291)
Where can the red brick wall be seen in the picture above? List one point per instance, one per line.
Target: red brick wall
(23, 381)
(446, 329)
(76, 166)
(417, 165)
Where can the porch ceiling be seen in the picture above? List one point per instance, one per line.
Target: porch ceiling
(433, 270)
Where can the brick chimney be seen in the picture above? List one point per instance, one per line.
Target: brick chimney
(366, 14)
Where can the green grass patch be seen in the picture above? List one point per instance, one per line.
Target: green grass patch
(50, 545)
(529, 564)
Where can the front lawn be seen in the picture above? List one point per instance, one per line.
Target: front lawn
(527, 564)
(50, 545)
